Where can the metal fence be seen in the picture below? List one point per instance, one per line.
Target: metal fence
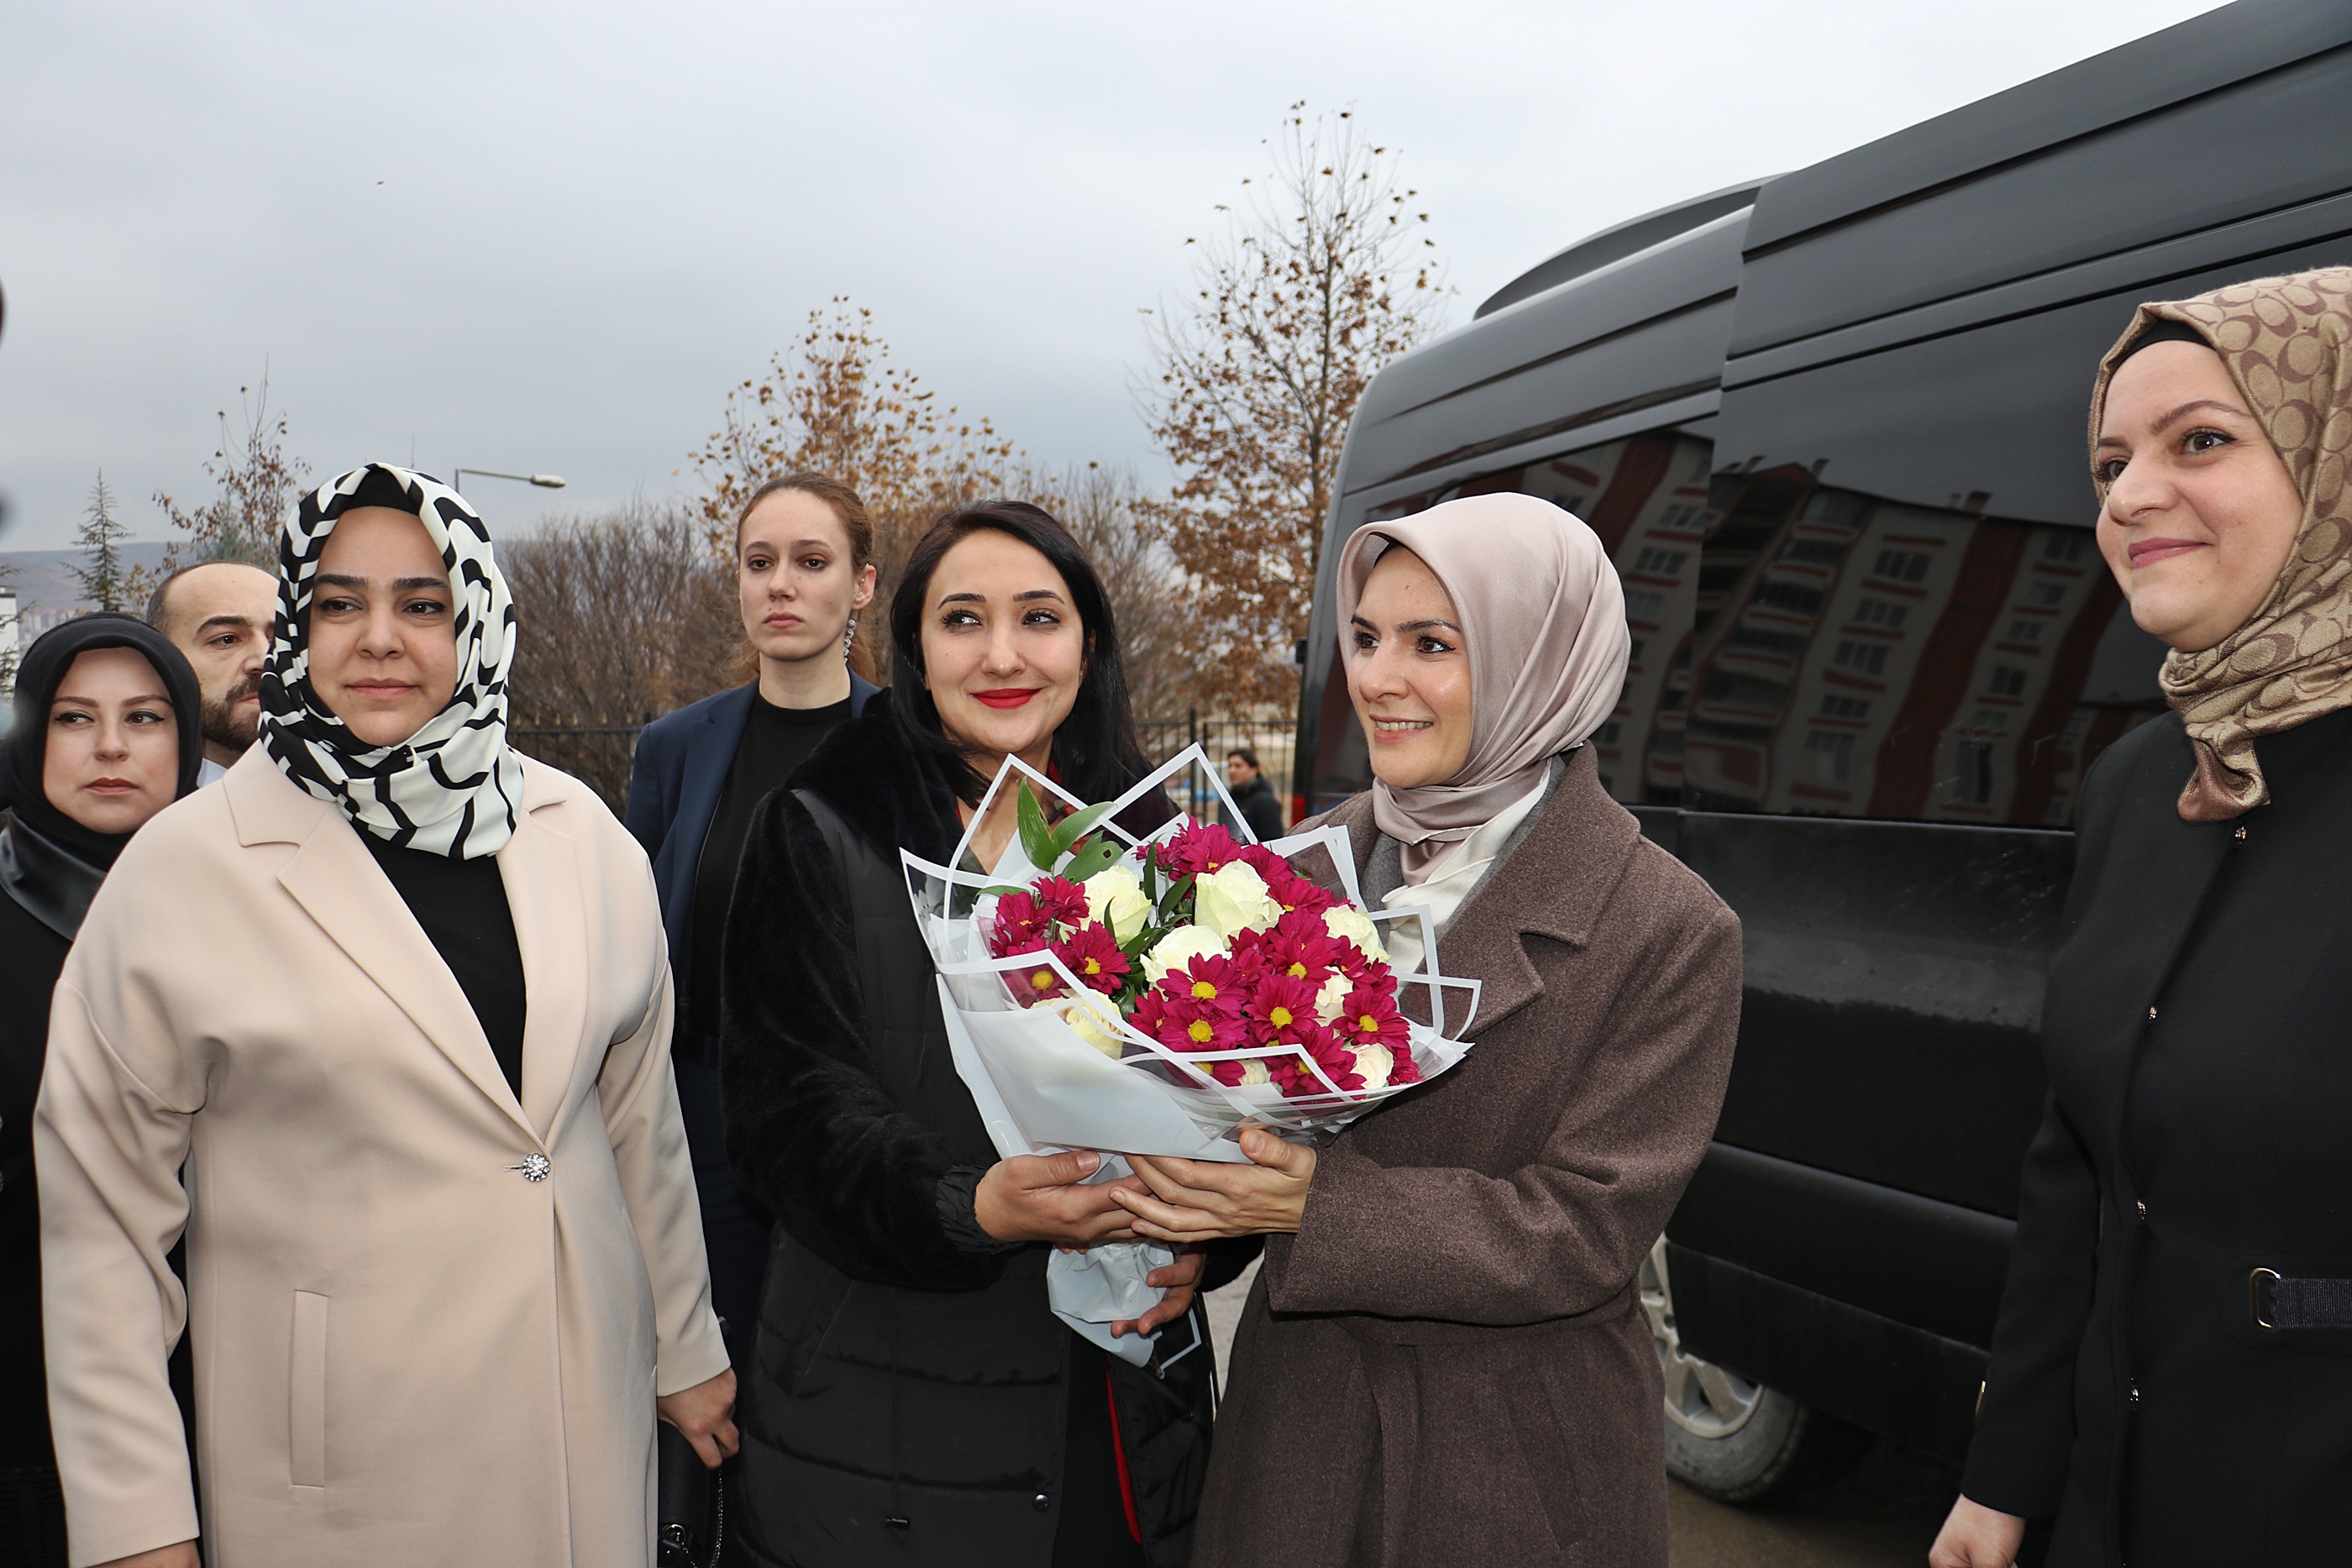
(599, 756)
(1270, 739)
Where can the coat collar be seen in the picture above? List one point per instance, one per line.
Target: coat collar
(334, 879)
(1554, 885)
(869, 772)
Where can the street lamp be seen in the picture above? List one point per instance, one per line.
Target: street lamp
(544, 481)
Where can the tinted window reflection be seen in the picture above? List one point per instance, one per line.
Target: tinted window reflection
(1855, 657)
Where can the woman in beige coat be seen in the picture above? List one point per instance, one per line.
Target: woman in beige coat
(382, 1022)
(1446, 1361)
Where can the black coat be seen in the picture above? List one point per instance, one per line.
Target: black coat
(905, 1368)
(1260, 807)
(2198, 1031)
(31, 955)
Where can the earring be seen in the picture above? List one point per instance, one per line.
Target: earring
(849, 637)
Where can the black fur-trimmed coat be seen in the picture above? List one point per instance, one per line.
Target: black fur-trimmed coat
(904, 1371)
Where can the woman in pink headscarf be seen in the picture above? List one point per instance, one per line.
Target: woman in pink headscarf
(1446, 1359)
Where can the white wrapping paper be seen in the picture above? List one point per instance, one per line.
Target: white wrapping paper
(1041, 1087)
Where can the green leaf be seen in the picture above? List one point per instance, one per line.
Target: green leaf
(1000, 889)
(1036, 839)
(1097, 856)
(1074, 826)
(1171, 904)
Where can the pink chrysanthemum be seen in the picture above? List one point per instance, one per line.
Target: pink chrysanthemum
(1370, 1016)
(1181, 1024)
(1021, 925)
(1277, 1005)
(1064, 901)
(1037, 984)
(1312, 1041)
(1093, 955)
(1283, 885)
(1212, 980)
(1198, 850)
(1302, 947)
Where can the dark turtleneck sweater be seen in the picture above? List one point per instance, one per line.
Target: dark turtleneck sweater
(462, 905)
(776, 741)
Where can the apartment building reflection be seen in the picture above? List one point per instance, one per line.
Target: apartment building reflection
(1862, 657)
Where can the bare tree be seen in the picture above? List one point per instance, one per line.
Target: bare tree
(257, 485)
(835, 404)
(1322, 276)
(1106, 510)
(621, 617)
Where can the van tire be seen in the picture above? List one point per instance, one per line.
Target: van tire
(1730, 1439)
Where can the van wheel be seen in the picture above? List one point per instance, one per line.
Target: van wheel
(1734, 1441)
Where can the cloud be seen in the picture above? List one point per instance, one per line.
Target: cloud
(550, 238)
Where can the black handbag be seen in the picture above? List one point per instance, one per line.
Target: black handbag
(690, 1506)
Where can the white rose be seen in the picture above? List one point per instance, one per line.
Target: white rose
(1115, 897)
(1180, 947)
(1091, 1026)
(1375, 1062)
(1233, 899)
(1254, 1072)
(1331, 999)
(1352, 925)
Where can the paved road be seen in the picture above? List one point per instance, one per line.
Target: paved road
(1884, 1515)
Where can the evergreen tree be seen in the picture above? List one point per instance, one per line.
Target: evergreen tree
(104, 576)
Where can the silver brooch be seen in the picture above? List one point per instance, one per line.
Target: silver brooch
(534, 1167)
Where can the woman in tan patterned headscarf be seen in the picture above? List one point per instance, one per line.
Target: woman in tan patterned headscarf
(2282, 343)
(2173, 1360)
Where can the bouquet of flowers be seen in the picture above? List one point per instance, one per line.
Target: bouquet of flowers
(1156, 996)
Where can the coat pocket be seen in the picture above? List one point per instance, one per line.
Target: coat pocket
(306, 1391)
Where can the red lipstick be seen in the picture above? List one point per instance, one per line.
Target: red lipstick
(1007, 696)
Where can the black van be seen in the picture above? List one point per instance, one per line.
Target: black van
(1830, 427)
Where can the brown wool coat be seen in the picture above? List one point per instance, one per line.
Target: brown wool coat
(1449, 1363)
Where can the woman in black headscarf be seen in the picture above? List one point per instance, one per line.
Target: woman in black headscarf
(106, 736)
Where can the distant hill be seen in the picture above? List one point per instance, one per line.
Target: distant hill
(43, 582)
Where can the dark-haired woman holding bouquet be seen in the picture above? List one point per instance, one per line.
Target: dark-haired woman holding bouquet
(914, 1399)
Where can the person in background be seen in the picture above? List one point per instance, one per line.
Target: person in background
(105, 736)
(1259, 806)
(218, 613)
(1444, 1360)
(914, 1399)
(803, 571)
(2169, 1370)
(444, 1273)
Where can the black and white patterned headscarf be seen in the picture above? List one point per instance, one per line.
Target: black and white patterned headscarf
(455, 786)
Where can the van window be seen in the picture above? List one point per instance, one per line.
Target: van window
(1862, 657)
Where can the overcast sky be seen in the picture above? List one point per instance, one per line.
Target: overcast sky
(551, 237)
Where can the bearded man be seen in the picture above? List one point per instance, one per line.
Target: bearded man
(219, 615)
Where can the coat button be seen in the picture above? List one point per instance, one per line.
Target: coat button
(534, 1167)
(2135, 1393)
(2240, 834)
(2151, 1015)
(2142, 1207)
(1041, 1502)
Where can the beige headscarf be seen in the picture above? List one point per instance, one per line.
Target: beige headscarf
(1543, 621)
(2287, 342)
